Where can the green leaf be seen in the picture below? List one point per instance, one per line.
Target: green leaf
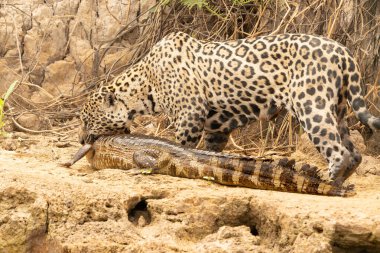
(1, 116)
(165, 2)
(191, 3)
(241, 2)
(10, 90)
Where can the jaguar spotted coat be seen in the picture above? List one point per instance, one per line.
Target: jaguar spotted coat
(216, 87)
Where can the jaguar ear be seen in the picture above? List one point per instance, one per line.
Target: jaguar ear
(110, 99)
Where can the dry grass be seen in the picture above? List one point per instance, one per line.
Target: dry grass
(355, 24)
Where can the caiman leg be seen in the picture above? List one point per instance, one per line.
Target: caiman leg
(146, 160)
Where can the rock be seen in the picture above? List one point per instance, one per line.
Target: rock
(376, 234)
(230, 239)
(42, 16)
(45, 45)
(37, 75)
(12, 57)
(66, 7)
(63, 144)
(355, 237)
(369, 165)
(9, 144)
(23, 219)
(31, 121)
(315, 243)
(113, 15)
(145, 7)
(6, 77)
(14, 23)
(83, 55)
(9, 126)
(60, 79)
(41, 96)
(358, 140)
(118, 59)
(85, 19)
(20, 135)
(70, 31)
(373, 144)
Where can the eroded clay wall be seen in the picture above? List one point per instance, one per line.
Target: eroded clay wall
(50, 44)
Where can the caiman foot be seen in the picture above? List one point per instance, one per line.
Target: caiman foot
(208, 178)
(146, 171)
(134, 172)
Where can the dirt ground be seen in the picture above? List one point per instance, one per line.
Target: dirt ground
(48, 208)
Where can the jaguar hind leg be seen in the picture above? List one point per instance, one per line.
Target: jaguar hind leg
(355, 157)
(322, 129)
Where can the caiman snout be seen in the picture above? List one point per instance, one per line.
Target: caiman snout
(84, 150)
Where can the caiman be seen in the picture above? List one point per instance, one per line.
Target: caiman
(160, 156)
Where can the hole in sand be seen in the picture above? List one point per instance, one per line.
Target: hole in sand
(140, 215)
(254, 230)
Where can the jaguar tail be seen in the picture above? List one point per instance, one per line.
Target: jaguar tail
(355, 97)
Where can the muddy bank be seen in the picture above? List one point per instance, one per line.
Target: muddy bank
(45, 207)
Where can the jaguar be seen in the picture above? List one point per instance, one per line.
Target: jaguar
(212, 88)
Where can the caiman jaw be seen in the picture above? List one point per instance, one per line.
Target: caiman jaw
(79, 154)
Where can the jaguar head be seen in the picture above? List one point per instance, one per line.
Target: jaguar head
(106, 113)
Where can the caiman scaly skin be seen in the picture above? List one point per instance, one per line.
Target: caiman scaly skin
(164, 157)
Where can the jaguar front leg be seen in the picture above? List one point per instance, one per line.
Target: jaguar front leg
(189, 126)
(216, 141)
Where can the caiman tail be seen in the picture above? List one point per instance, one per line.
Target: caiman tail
(278, 175)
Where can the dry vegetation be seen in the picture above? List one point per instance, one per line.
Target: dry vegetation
(354, 23)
